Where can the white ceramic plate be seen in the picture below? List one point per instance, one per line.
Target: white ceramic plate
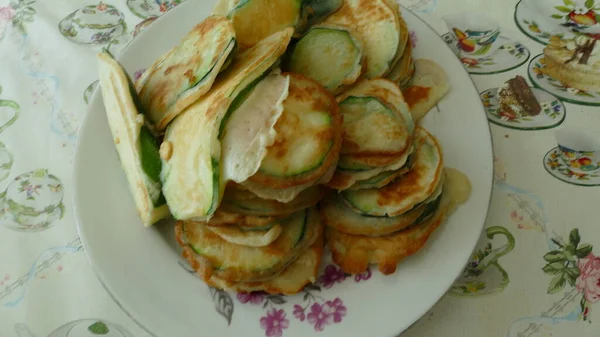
(540, 19)
(141, 267)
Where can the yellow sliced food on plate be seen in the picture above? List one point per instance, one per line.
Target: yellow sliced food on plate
(136, 147)
(379, 29)
(245, 237)
(187, 71)
(429, 85)
(193, 159)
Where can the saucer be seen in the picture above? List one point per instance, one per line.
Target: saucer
(540, 19)
(555, 166)
(510, 55)
(32, 202)
(552, 115)
(93, 24)
(556, 88)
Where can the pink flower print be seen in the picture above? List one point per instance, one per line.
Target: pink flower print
(102, 7)
(326, 314)
(138, 74)
(588, 281)
(336, 308)
(319, 317)
(332, 275)
(413, 38)
(299, 312)
(255, 297)
(6, 277)
(274, 323)
(365, 275)
(59, 268)
(7, 13)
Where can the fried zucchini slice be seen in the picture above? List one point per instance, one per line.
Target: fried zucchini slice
(195, 165)
(187, 72)
(290, 281)
(354, 253)
(309, 135)
(240, 200)
(378, 27)
(410, 189)
(136, 146)
(330, 55)
(254, 20)
(210, 255)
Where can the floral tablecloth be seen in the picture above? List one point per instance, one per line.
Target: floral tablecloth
(535, 272)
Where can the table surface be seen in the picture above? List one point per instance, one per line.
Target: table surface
(534, 272)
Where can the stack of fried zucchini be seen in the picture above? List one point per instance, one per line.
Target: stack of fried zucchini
(272, 118)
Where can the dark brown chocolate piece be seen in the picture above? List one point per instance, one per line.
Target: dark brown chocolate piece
(521, 91)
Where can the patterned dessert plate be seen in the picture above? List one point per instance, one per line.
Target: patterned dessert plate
(143, 270)
(540, 19)
(556, 88)
(552, 115)
(510, 55)
(559, 170)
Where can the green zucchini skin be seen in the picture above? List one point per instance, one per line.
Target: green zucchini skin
(242, 263)
(309, 138)
(335, 67)
(188, 71)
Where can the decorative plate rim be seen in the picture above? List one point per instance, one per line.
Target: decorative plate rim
(523, 30)
(537, 128)
(570, 182)
(535, 83)
(498, 71)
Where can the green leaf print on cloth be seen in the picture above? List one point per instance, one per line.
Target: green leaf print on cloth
(9, 112)
(575, 264)
(23, 14)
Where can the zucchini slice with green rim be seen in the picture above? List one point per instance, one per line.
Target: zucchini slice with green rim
(242, 263)
(193, 157)
(290, 281)
(378, 28)
(248, 222)
(402, 69)
(410, 189)
(309, 134)
(254, 20)
(374, 134)
(387, 92)
(335, 213)
(135, 144)
(244, 237)
(286, 195)
(188, 71)
(242, 201)
(330, 55)
(384, 177)
(345, 179)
